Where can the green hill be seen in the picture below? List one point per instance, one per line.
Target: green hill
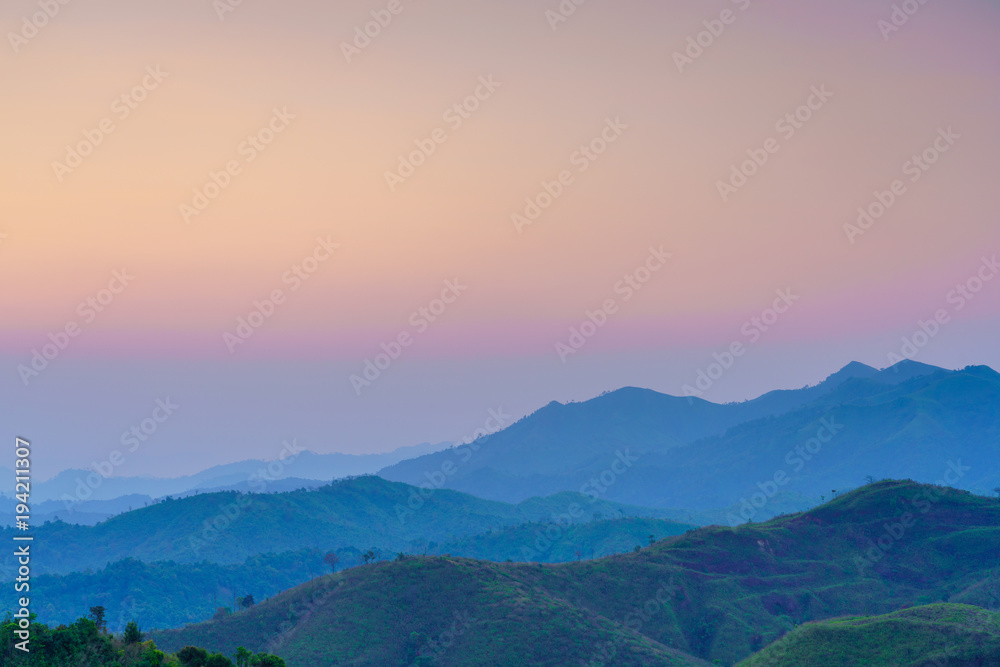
(559, 543)
(361, 513)
(442, 611)
(714, 593)
(939, 634)
(167, 594)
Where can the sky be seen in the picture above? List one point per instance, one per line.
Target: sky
(293, 229)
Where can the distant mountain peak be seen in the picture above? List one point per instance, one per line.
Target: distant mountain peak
(855, 369)
(979, 371)
(630, 393)
(907, 364)
(907, 368)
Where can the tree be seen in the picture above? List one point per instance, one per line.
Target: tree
(80, 643)
(869, 479)
(218, 660)
(368, 556)
(331, 559)
(997, 491)
(132, 633)
(248, 601)
(266, 660)
(651, 540)
(243, 657)
(97, 616)
(154, 657)
(192, 656)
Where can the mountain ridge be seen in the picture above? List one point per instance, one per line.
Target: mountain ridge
(73, 485)
(684, 442)
(361, 512)
(713, 594)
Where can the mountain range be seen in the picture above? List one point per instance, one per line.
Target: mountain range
(578, 534)
(167, 594)
(645, 448)
(73, 487)
(715, 595)
(361, 513)
(641, 447)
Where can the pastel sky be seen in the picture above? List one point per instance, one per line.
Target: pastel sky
(667, 132)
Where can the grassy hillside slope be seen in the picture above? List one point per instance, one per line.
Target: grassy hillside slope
(167, 594)
(715, 593)
(447, 611)
(940, 634)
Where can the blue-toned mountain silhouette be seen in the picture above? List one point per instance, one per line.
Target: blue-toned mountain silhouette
(908, 421)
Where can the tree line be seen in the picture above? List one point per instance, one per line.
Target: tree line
(87, 643)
